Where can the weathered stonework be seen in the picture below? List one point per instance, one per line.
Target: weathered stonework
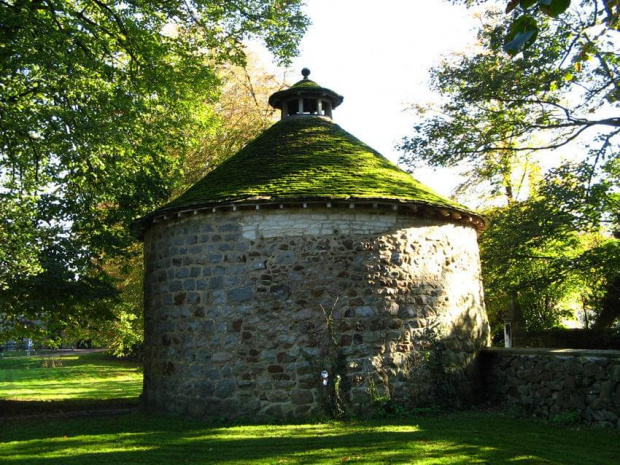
(551, 383)
(244, 309)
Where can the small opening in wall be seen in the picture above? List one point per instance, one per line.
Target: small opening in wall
(310, 106)
(326, 109)
(292, 106)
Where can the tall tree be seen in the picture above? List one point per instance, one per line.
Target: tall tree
(559, 96)
(566, 84)
(99, 103)
(545, 251)
(526, 16)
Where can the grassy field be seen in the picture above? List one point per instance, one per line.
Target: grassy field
(68, 377)
(136, 438)
(61, 384)
(439, 439)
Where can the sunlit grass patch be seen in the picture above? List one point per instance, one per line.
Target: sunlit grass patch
(441, 439)
(134, 438)
(70, 377)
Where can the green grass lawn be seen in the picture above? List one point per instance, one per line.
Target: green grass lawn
(60, 384)
(438, 439)
(135, 438)
(94, 376)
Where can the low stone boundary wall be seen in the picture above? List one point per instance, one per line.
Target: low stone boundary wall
(555, 382)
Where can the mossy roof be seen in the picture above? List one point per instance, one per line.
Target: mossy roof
(306, 84)
(305, 158)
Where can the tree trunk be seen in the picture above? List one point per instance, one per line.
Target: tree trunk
(611, 305)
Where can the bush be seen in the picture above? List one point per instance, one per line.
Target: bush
(574, 339)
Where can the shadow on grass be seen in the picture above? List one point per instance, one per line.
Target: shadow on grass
(456, 439)
(18, 408)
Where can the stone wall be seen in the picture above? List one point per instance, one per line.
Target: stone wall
(556, 382)
(244, 309)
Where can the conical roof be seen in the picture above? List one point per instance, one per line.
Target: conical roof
(308, 158)
(305, 159)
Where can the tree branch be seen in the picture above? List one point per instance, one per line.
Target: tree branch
(110, 33)
(525, 149)
(604, 65)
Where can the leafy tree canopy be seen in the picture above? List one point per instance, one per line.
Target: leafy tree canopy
(526, 15)
(564, 88)
(551, 253)
(505, 116)
(99, 102)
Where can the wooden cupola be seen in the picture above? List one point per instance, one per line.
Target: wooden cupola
(305, 98)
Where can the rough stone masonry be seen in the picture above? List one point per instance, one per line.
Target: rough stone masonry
(244, 309)
(572, 384)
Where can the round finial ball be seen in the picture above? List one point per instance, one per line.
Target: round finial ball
(305, 73)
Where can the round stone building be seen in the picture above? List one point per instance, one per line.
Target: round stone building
(307, 275)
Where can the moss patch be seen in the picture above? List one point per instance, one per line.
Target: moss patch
(305, 158)
(306, 84)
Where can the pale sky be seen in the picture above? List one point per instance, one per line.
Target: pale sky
(377, 55)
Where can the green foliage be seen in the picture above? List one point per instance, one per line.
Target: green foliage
(99, 104)
(564, 87)
(558, 252)
(526, 15)
(566, 419)
(553, 8)
(523, 29)
(123, 331)
(522, 33)
(491, 106)
(551, 245)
